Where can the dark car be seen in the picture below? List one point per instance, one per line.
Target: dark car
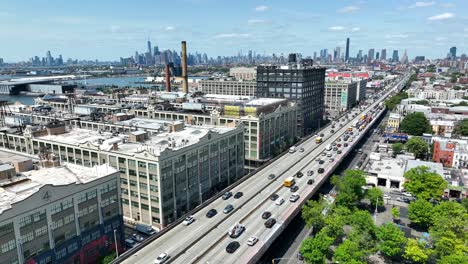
(227, 195)
(238, 195)
(270, 222)
(294, 188)
(271, 176)
(332, 131)
(299, 174)
(338, 152)
(310, 182)
(321, 161)
(338, 145)
(228, 208)
(211, 213)
(274, 196)
(320, 170)
(232, 247)
(338, 139)
(266, 215)
(322, 135)
(310, 172)
(345, 145)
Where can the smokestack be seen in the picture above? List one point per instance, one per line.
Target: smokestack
(184, 68)
(168, 78)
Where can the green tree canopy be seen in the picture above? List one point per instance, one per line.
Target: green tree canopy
(415, 124)
(420, 213)
(393, 101)
(397, 148)
(375, 196)
(424, 184)
(453, 259)
(349, 187)
(349, 252)
(418, 147)
(396, 212)
(392, 240)
(361, 221)
(312, 214)
(315, 249)
(415, 252)
(461, 128)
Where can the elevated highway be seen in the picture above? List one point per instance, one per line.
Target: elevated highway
(205, 240)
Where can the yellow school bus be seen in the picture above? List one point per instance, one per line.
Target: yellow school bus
(288, 182)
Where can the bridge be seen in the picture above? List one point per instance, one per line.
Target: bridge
(205, 240)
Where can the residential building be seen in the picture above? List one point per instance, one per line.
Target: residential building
(393, 122)
(304, 85)
(165, 171)
(228, 87)
(340, 96)
(444, 152)
(63, 214)
(442, 127)
(243, 73)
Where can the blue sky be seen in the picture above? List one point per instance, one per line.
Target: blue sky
(106, 30)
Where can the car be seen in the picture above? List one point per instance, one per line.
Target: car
(323, 154)
(228, 208)
(129, 243)
(188, 220)
(329, 155)
(310, 172)
(161, 258)
(359, 151)
(387, 197)
(211, 213)
(332, 131)
(270, 222)
(407, 194)
(321, 162)
(238, 195)
(266, 215)
(317, 160)
(335, 149)
(280, 201)
(300, 256)
(299, 174)
(333, 126)
(331, 159)
(350, 140)
(271, 176)
(236, 230)
(338, 145)
(294, 197)
(301, 150)
(339, 152)
(252, 240)
(138, 238)
(232, 247)
(322, 135)
(227, 195)
(345, 145)
(294, 188)
(274, 196)
(320, 170)
(310, 182)
(333, 144)
(338, 139)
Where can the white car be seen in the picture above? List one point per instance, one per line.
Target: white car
(279, 201)
(161, 258)
(386, 196)
(407, 194)
(294, 197)
(252, 240)
(188, 220)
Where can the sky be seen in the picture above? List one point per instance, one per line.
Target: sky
(108, 30)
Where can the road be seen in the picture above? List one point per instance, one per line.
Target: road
(205, 240)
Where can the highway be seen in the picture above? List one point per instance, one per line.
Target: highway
(205, 240)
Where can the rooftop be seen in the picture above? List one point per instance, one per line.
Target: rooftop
(30, 182)
(387, 167)
(435, 167)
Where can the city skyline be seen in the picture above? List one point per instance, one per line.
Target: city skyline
(96, 31)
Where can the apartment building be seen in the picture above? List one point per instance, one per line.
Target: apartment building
(340, 97)
(393, 122)
(63, 214)
(165, 172)
(229, 87)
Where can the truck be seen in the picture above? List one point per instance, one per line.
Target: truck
(145, 229)
(288, 182)
(318, 140)
(292, 149)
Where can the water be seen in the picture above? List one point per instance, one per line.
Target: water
(121, 81)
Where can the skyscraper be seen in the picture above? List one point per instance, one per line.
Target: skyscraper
(49, 58)
(370, 55)
(150, 52)
(404, 59)
(453, 53)
(377, 55)
(383, 55)
(337, 54)
(347, 49)
(359, 56)
(395, 57)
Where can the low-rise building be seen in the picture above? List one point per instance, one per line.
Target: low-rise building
(340, 96)
(393, 122)
(444, 152)
(243, 73)
(442, 127)
(386, 173)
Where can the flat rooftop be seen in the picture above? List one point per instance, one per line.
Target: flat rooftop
(30, 182)
(434, 167)
(153, 124)
(387, 167)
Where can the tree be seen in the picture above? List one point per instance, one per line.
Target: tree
(107, 258)
(397, 149)
(361, 221)
(392, 240)
(415, 124)
(375, 196)
(312, 214)
(415, 252)
(420, 213)
(461, 128)
(315, 249)
(453, 259)
(449, 244)
(465, 203)
(349, 252)
(395, 212)
(424, 184)
(418, 147)
(349, 187)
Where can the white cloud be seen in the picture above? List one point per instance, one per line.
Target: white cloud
(255, 21)
(355, 29)
(442, 16)
(169, 28)
(233, 35)
(336, 28)
(422, 4)
(396, 36)
(348, 9)
(261, 8)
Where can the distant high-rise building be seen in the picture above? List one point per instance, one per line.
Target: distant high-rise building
(377, 55)
(315, 55)
(453, 53)
(395, 57)
(347, 50)
(137, 57)
(49, 59)
(150, 50)
(337, 54)
(418, 59)
(1, 61)
(370, 55)
(383, 55)
(404, 59)
(359, 56)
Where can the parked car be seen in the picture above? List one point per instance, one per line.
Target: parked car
(252, 240)
(211, 213)
(129, 243)
(238, 195)
(274, 196)
(145, 229)
(386, 196)
(227, 195)
(280, 201)
(161, 258)
(228, 208)
(266, 215)
(188, 220)
(138, 238)
(294, 188)
(270, 222)
(232, 247)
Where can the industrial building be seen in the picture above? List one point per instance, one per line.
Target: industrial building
(243, 73)
(340, 96)
(300, 83)
(228, 87)
(165, 171)
(60, 213)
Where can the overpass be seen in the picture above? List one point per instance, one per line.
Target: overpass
(205, 240)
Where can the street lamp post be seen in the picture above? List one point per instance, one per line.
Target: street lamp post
(115, 241)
